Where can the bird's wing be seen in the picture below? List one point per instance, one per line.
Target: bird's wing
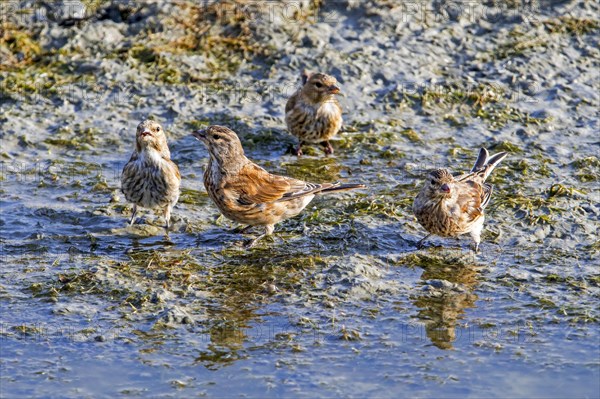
(482, 191)
(134, 157)
(173, 166)
(487, 191)
(130, 164)
(129, 171)
(471, 199)
(291, 102)
(254, 185)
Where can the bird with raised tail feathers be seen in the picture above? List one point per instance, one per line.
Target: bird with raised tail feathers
(150, 179)
(450, 207)
(246, 193)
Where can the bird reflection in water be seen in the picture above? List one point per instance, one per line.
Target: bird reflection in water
(448, 289)
(239, 290)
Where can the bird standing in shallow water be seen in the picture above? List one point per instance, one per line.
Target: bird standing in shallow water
(150, 179)
(246, 193)
(312, 113)
(450, 207)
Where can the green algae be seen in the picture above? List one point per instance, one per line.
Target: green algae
(193, 197)
(227, 50)
(313, 169)
(588, 169)
(46, 78)
(144, 54)
(571, 25)
(547, 207)
(75, 137)
(521, 43)
(18, 41)
(411, 135)
(518, 46)
(367, 141)
(459, 100)
(388, 206)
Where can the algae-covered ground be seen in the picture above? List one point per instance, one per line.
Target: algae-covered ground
(339, 302)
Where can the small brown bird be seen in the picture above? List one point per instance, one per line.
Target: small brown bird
(450, 207)
(246, 193)
(312, 113)
(150, 179)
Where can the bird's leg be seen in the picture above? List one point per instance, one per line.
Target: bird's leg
(268, 231)
(250, 243)
(476, 235)
(422, 240)
(167, 217)
(476, 244)
(133, 215)
(298, 151)
(328, 147)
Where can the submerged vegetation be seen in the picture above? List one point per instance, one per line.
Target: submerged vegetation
(523, 42)
(219, 32)
(459, 101)
(18, 47)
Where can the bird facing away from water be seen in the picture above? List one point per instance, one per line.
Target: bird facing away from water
(312, 113)
(450, 207)
(150, 179)
(246, 193)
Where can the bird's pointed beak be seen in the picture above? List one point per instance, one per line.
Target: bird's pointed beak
(146, 132)
(445, 188)
(334, 89)
(200, 134)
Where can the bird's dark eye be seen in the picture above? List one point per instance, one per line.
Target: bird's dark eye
(433, 181)
(216, 136)
(319, 84)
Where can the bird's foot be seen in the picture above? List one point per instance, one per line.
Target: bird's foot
(421, 242)
(298, 150)
(133, 213)
(327, 147)
(251, 243)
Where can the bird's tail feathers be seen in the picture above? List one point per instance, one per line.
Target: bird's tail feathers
(481, 160)
(485, 164)
(336, 187)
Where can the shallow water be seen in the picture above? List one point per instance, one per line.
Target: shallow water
(338, 302)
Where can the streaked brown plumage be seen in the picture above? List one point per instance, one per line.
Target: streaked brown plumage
(246, 193)
(449, 207)
(312, 113)
(150, 179)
